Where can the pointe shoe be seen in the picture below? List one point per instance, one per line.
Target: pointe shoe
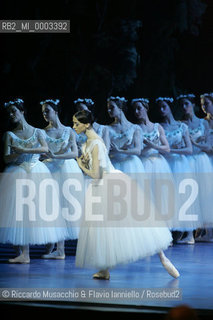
(102, 275)
(54, 255)
(20, 259)
(170, 267)
(186, 241)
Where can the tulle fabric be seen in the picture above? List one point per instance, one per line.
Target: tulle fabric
(103, 244)
(63, 170)
(34, 228)
(183, 169)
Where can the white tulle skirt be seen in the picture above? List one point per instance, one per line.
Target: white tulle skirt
(29, 209)
(162, 185)
(69, 176)
(104, 241)
(187, 215)
(203, 174)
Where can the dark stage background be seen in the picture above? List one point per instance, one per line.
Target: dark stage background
(133, 48)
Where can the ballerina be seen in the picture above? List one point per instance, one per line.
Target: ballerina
(105, 247)
(125, 139)
(60, 160)
(207, 107)
(199, 135)
(152, 156)
(23, 146)
(101, 130)
(178, 137)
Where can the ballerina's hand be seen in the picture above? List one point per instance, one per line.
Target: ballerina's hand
(147, 143)
(114, 147)
(50, 154)
(79, 161)
(201, 139)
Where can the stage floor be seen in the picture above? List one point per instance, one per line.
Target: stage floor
(194, 262)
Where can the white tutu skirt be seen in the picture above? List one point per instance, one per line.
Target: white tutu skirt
(27, 223)
(162, 184)
(106, 242)
(187, 215)
(203, 174)
(71, 188)
(129, 164)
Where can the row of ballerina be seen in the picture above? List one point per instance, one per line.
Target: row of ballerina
(180, 152)
(177, 151)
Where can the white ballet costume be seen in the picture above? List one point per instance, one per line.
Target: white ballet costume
(182, 170)
(203, 171)
(62, 170)
(104, 245)
(159, 173)
(26, 225)
(129, 164)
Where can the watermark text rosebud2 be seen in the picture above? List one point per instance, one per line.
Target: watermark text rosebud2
(116, 200)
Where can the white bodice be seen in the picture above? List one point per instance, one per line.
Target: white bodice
(103, 157)
(154, 135)
(31, 142)
(176, 137)
(198, 135)
(124, 139)
(198, 132)
(56, 144)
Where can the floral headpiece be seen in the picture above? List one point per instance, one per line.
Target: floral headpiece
(55, 102)
(182, 96)
(143, 100)
(117, 98)
(16, 101)
(88, 101)
(164, 99)
(210, 94)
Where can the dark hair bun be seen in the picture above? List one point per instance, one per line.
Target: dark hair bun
(84, 116)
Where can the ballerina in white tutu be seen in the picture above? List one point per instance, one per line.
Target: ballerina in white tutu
(199, 135)
(101, 246)
(23, 226)
(125, 140)
(101, 130)
(155, 146)
(177, 134)
(207, 107)
(60, 160)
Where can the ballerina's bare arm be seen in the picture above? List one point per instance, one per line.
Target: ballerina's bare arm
(95, 171)
(8, 156)
(43, 148)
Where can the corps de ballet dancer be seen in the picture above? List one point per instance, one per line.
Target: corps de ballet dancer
(104, 247)
(177, 134)
(125, 139)
(23, 227)
(206, 100)
(199, 133)
(152, 156)
(60, 160)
